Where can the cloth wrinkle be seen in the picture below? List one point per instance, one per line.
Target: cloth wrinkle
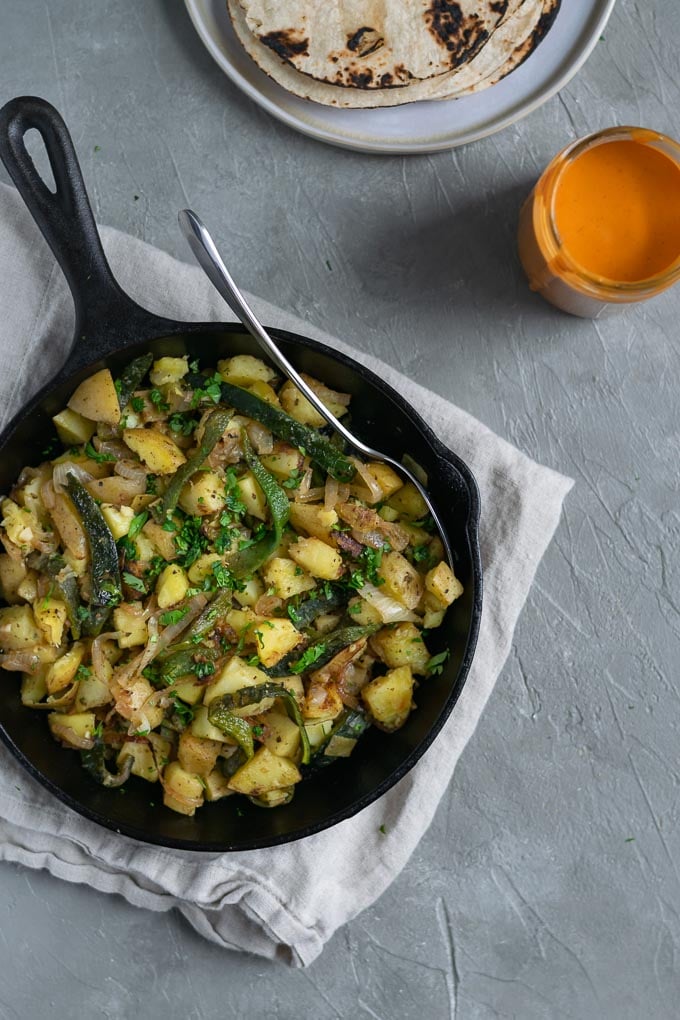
(286, 902)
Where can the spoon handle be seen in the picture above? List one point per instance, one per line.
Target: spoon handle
(208, 257)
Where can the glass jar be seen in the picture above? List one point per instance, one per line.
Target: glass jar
(551, 270)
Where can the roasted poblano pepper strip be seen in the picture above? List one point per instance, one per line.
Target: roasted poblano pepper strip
(305, 612)
(130, 378)
(94, 762)
(232, 726)
(252, 695)
(321, 652)
(96, 619)
(247, 561)
(212, 433)
(351, 725)
(202, 625)
(105, 574)
(320, 449)
(182, 662)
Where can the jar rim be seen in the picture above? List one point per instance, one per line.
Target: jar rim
(593, 283)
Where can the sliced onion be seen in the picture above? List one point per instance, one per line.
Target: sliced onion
(389, 609)
(304, 486)
(67, 467)
(368, 480)
(132, 470)
(156, 643)
(113, 447)
(47, 495)
(99, 660)
(66, 734)
(310, 496)
(266, 605)
(28, 660)
(260, 437)
(330, 495)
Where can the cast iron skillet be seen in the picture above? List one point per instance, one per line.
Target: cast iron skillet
(110, 330)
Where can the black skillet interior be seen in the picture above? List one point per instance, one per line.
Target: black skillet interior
(110, 331)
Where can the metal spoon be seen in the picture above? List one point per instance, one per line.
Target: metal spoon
(209, 259)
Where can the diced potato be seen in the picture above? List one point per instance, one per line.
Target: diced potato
(146, 550)
(201, 726)
(362, 612)
(244, 369)
(217, 786)
(388, 513)
(172, 586)
(12, 573)
(70, 728)
(322, 701)
(182, 791)
(275, 638)
(295, 686)
(118, 519)
(85, 462)
(264, 772)
(317, 558)
(236, 675)
(314, 520)
(283, 462)
(275, 798)
(433, 618)
(265, 392)
(168, 370)
(387, 480)
(400, 579)
(67, 522)
(252, 495)
(61, 673)
(203, 494)
(23, 527)
(115, 491)
(388, 698)
(287, 577)
(203, 567)
(72, 428)
(443, 584)
(28, 588)
(197, 755)
(96, 398)
(243, 621)
(401, 645)
(51, 616)
(327, 622)
(155, 449)
(252, 591)
(281, 734)
(143, 763)
(189, 689)
(93, 690)
(18, 628)
(299, 407)
(128, 619)
(409, 502)
(33, 687)
(162, 540)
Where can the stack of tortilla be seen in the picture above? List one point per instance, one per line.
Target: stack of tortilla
(373, 53)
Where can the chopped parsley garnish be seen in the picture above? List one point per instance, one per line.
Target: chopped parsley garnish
(83, 673)
(190, 541)
(158, 400)
(383, 829)
(100, 458)
(309, 657)
(293, 480)
(371, 560)
(253, 660)
(204, 669)
(258, 730)
(184, 712)
(224, 577)
(133, 582)
(127, 547)
(152, 485)
(182, 424)
(234, 501)
(211, 390)
(435, 665)
(137, 404)
(173, 616)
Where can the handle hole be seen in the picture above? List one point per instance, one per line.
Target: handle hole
(35, 146)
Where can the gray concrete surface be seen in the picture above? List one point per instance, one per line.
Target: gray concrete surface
(548, 885)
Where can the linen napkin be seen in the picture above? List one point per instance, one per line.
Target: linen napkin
(283, 902)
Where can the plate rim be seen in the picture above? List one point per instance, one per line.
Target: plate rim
(397, 148)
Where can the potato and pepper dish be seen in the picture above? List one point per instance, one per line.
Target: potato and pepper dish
(203, 590)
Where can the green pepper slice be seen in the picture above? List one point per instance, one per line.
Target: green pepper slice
(130, 378)
(249, 560)
(212, 433)
(105, 574)
(321, 450)
(232, 726)
(94, 762)
(252, 695)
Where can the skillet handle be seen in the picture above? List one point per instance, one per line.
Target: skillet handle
(105, 315)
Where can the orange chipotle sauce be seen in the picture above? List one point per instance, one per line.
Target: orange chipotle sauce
(617, 210)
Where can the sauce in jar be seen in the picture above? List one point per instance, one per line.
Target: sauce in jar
(602, 226)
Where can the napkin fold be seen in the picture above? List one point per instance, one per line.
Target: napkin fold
(284, 902)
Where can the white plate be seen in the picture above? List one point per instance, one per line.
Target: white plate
(415, 127)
